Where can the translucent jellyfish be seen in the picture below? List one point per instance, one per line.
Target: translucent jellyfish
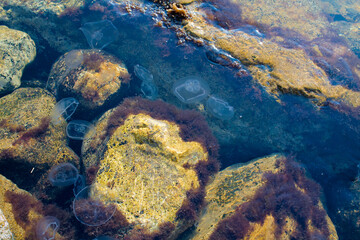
(90, 210)
(104, 238)
(191, 89)
(64, 108)
(79, 184)
(47, 228)
(148, 87)
(64, 174)
(100, 34)
(73, 60)
(219, 108)
(77, 129)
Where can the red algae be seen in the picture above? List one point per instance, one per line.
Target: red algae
(34, 132)
(279, 197)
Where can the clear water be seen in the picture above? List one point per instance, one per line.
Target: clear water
(325, 140)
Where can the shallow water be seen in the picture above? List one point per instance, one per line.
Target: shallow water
(325, 139)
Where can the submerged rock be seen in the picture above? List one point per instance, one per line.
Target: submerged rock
(150, 166)
(242, 200)
(17, 49)
(21, 209)
(276, 68)
(95, 78)
(27, 137)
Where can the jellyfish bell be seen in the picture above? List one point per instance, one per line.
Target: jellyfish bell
(79, 184)
(100, 34)
(77, 129)
(64, 174)
(219, 108)
(47, 227)
(191, 89)
(92, 209)
(65, 108)
(143, 74)
(148, 87)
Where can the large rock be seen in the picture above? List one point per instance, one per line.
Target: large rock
(21, 210)
(305, 17)
(17, 49)
(96, 79)
(28, 140)
(278, 69)
(146, 166)
(268, 198)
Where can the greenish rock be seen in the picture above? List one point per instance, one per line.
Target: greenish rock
(21, 113)
(42, 20)
(17, 49)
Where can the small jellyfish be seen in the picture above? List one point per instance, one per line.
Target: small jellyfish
(77, 129)
(191, 89)
(91, 211)
(143, 74)
(64, 108)
(79, 184)
(219, 108)
(64, 174)
(47, 228)
(104, 238)
(100, 34)
(73, 60)
(148, 87)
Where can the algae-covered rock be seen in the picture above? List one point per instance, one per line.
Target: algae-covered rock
(304, 17)
(278, 69)
(21, 210)
(17, 49)
(345, 20)
(95, 78)
(27, 137)
(151, 167)
(268, 198)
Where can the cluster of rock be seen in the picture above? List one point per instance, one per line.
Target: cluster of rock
(155, 163)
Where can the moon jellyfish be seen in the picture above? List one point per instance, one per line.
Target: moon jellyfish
(64, 108)
(47, 228)
(100, 34)
(148, 87)
(191, 89)
(90, 209)
(64, 174)
(219, 108)
(104, 238)
(77, 129)
(79, 184)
